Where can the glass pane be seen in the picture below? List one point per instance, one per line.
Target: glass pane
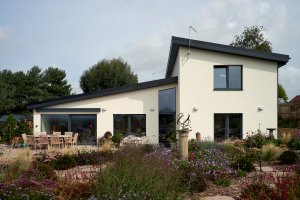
(121, 124)
(167, 100)
(138, 125)
(220, 127)
(235, 126)
(85, 125)
(166, 122)
(220, 77)
(234, 77)
(54, 123)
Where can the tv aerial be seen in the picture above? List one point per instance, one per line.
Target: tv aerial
(190, 40)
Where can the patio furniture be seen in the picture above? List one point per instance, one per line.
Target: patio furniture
(43, 140)
(43, 133)
(31, 141)
(55, 140)
(69, 133)
(24, 137)
(56, 133)
(73, 140)
(15, 141)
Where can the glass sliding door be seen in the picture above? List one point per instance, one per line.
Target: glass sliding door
(167, 113)
(85, 125)
(227, 126)
(130, 124)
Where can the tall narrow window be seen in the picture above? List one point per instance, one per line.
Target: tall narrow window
(228, 77)
(227, 126)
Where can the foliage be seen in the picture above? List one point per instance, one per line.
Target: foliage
(107, 74)
(282, 93)
(288, 157)
(19, 88)
(12, 192)
(241, 173)
(171, 136)
(9, 128)
(148, 148)
(46, 171)
(244, 164)
(137, 176)
(271, 152)
(89, 157)
(64, 162)
(252, 38)
(117, 137)
(70, 189)
(225, 182)
(257, 190)
(294, 143)
(288, 123)
(257, 140)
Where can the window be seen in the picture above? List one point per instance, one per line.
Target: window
(130, 124)
(227, 126)
(167, 112)
(228, 77)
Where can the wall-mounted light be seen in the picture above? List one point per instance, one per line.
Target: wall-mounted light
(195, 109)
(152, 109)
(260, 108)
(104, 109)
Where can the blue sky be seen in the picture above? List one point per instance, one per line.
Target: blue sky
(74, 35)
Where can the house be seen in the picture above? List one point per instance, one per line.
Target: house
(291, 109)
(227, 91)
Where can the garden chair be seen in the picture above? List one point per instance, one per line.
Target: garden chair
(43, 133)
(24, 137)
(73, 140)
(43, 141)
(56, 133)
(15, 141)
(31, 141)
(55, 140)
(69, 133)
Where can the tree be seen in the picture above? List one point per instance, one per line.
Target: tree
(107, 74)
(55, 82)
(282, 93)
(6, 97)
(252, 38)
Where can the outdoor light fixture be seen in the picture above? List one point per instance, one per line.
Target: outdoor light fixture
(152, 109)
(195, 109)
(104, 109)
(260, 108)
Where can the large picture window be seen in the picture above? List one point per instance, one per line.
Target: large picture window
(130, 124)
(228, 77)
(227, 126)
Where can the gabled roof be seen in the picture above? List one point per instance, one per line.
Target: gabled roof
(176, 42)
(296, 99)
(101, 93)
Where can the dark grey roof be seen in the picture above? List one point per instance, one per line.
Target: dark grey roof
(101, 93)
(176, 42)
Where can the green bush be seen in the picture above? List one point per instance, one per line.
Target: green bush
(117, 138)
(148, 148)
(258, 190)
(288, 157)
(244, 164)
(225, 182)
(46, 171)
(241, 173)
(294, 143)
(258, 140)
(136, 176)
(64, 162)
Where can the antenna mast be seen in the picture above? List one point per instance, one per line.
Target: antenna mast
(193, 29)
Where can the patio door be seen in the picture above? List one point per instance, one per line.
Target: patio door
(227, 126)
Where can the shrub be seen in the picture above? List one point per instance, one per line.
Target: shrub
(270, 152)
(47, 171)
(241, 173)
(257, 190)
(88, 157)
(148, 148)
(288, 157)
(107, 135)
(134, 175)
(13, 192)
(222, 182)
(294, 143)
(244, 164)
(258, 140)
(117, 138)
(64, 162)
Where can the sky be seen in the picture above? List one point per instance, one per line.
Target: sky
(76, 34)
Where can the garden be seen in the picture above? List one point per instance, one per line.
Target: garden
(258, 167)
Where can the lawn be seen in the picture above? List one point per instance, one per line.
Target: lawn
(229, 168)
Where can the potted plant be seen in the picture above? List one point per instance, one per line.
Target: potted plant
(171, 136)
(183, 133)
(117, 138)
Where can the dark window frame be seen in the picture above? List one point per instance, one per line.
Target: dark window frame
(228, 114)
(127, 116)
(227, 78)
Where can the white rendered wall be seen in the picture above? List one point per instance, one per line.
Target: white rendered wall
(136, 102)
(196, 89)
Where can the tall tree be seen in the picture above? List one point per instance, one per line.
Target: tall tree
(282, 93)
(252, 38)
(107, 74)
(55, 82)
(6, 97)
